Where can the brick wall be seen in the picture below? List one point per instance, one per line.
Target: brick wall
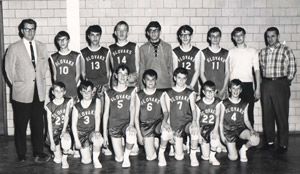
(254, 15)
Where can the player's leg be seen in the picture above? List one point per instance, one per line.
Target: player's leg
(149, 148)
(214, 145)
(232, 152)
(118, 148)
(66, 143)
(178, 147)
(253, 140)
(57, 154)
(193, 131)
(85, 150)
(97, 140)
(166, 135)
(130, 141)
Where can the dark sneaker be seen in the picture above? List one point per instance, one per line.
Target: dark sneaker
(281, 150)
(22, 158)
(42, 158)
(267, 147)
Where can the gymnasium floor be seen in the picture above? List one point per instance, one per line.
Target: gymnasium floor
(259, 162)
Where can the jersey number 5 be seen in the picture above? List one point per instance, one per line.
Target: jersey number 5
(120, 104)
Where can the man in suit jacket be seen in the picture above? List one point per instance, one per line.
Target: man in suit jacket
(26, 66)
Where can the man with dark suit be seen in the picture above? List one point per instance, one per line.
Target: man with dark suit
(26, 66)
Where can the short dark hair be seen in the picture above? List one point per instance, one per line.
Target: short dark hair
(122, 67)
(59, 35)
(209, 84)
(181, 71)
(58, 84)
(85, 84)
(22, 24)
(235, 82)
(213, 30)
(182, 29)
(237, 30)
(92, 28)
(151, 73)
(115, 29)
(273, 29)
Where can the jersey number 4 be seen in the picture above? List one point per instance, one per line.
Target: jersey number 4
(233, 117)
(121, 60)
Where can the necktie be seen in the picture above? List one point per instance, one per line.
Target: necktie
(32, 54)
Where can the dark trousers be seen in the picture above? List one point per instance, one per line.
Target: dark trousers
(248, 96)
(275, 107)
(23, 112)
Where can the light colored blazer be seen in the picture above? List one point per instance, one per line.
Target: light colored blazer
(21, 73)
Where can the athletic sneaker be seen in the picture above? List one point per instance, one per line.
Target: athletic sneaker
(243, 154)
(106, 151)
(194, 160)
(214, 161)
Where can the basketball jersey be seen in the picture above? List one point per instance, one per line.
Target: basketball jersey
(187, 60)
(86, 116)
(58, 113)
(234, 113)
(119, 110)
(95, 65)
(207, 111)
(180, 110)
(150, 108)
(215, 66)
(65, 65)
(123, 55)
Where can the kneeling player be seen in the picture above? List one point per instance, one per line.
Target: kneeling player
(208, 109)
(149, 118)
(180, 102)
(118, 117)
(234, 123)
(86, 123)
(58, 118)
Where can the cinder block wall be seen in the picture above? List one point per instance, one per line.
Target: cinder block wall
(254, 15)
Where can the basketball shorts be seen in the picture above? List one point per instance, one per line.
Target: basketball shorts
(232, 133)
(118, 132)
(151, 128)
(206, 130)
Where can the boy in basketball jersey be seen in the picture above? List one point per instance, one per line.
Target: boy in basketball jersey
(215, 62)
(208, 111)
(234, 123)
(66, 64)
(124, 52)
(118, 117)
(58, 118)
(86, 124)
(180, 102)
(187, 56)
(151, 118)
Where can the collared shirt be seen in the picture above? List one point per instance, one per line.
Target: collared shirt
(27, 46)
(241, 61)
(277, 62)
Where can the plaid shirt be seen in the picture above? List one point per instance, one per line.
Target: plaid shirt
(277, 62)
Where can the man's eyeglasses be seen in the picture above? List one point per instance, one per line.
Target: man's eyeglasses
(29, 29)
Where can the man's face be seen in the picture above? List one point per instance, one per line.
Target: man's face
(180, 79)
(154, 33)
(185, 37)
(121, 32)
(28, 31)
(122, 76)
(63, 42)
(150, 81)
(215, 38)
(239, 38)
(94, 38)
(272, 38)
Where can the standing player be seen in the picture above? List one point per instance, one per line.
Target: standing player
(187, 56)
(58, 119)
(215, 62)
(66, 64)
(118, 117)
(124, 52)
(86, 124)
(149, 119)
(234, 123)
(180, 102)
(208, 111)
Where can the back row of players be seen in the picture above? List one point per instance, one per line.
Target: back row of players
(171, 113)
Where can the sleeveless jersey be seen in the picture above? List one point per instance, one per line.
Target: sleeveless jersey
(86, 117)
(187, 60)
(215, 66)
(58, 113)
(208, 112)
(65, 66)
(234, 114)
(119, 113)
(180, 110)
(95, 65)
(150, 108)
(124, 54)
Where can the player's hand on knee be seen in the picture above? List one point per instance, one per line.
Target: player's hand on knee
(131, 130)
(140, 139)
(78, 145)
(214, 135)
(201, 140)
(166, 126)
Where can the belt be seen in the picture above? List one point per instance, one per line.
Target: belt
(274, 78)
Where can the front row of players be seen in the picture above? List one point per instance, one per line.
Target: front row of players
(145, 115)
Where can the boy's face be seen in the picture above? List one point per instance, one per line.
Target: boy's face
(122, 76)
(58, 92)
(215, 38)
(153, 33)
(121, 32)
(239, 37)
(235, 91)
(180, 79)
(150, 81)
(185, 37)
(87, 93)
(209, 92)
(63, 42)
(94, 38)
